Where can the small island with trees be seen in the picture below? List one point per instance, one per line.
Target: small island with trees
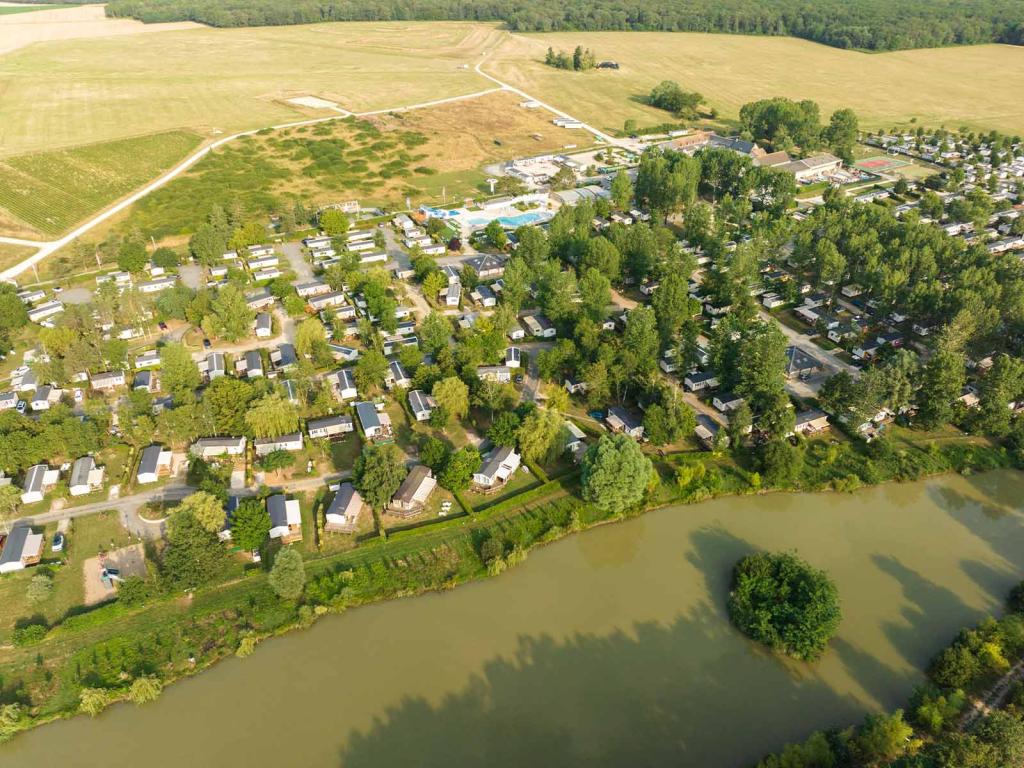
(782, 601)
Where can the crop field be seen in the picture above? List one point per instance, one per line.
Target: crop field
(7, 10)
(976, 86)
(219, 81)
(52, 191)
(378, 160)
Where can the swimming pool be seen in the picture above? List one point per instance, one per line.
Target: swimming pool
(511, 222)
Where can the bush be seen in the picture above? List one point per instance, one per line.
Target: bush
(781, 601)
(29, 635)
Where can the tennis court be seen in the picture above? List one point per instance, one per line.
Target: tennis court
(881, 164)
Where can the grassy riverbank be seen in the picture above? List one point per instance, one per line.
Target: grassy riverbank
(105, 649)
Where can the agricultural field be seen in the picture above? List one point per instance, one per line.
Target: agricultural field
(7, 10)
(53, 191)
(219, 81)
(378, 160)
(973, 86)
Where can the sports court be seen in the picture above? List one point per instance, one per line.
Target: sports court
(881, 164)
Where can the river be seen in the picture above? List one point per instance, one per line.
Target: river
(609, 648)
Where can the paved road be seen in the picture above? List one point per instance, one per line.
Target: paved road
(126, 504)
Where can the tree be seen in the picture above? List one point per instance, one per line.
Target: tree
(435, 331)
(452, 395)
(193, 556)
(841, 134)
(781, 601)
(288, 575)
(131, 256)
(459, 469)
(672, 305)
(145, 689)
(433, 452)
(371, 370)
(166, 258)
(230, 317)
(595, 294)
(669, 96)
(780, 463)
(271, 416)
(615, 474)
(13, 313)
(496, 234)
(226, 400)
(883, 738)
(602, 255)
(93, 701)
(941, 384)
(622, 191)
(377, 473)
(333, 222)
(539, 435)
(503, 429)
(206, 508)
(250, 524)
(178, 372)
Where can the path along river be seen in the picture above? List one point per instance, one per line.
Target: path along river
(609, 648)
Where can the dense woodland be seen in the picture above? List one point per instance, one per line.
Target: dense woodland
(878, 25)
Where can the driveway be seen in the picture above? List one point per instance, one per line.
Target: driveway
(297, 261)
(832, 363)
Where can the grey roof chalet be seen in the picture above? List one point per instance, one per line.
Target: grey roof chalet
(35, 478)
(734, 143)
(367, 414)
(285, 356)
(277, 506)
(149, 464)
(253, 360)
(485, 263)
(342, 499)
(264, 322)
(494, 461)
(328, 421)
(143, 380)
(14, 546)
(80, 471)
(629, 421)
(420, 401)
(407, 490)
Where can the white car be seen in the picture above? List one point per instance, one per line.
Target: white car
(79, 396)
(21, 406)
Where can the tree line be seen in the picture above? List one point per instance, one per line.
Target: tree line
(876, 25)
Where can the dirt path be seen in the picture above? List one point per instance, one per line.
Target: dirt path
(130, 561)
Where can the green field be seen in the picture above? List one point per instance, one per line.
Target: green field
(976, 86)
(218, 81)
(53, 191)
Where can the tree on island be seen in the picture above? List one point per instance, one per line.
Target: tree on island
(783, 602)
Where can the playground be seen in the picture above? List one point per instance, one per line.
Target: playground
(101, 574)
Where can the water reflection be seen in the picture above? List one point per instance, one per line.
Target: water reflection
(637, 698)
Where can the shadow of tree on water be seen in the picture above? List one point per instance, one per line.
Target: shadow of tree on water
(690, 692)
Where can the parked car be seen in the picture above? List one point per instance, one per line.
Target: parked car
(21, 406)
(57, 545)
(207, 344)
(79, 396)
(162, 325)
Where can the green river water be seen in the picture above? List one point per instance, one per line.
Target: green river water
(609, 648)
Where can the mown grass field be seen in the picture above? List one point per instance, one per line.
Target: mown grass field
(218, 81)
(379, 160)
(975, 86)
(52, 191)
(7, 10)
(12, 254)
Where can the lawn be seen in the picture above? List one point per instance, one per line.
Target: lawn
(12, 254)
(7, 10)
(429, 155)
(87, 537)
(344, 452)
(52, 191)
(522, 481)
(945, 86)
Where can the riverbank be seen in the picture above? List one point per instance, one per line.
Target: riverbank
(608, 647)
(107, 648)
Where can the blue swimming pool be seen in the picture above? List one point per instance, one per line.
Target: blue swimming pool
(511, 222)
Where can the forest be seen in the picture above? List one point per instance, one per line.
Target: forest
(873, 25)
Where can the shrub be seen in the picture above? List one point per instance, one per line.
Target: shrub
(29, 635)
